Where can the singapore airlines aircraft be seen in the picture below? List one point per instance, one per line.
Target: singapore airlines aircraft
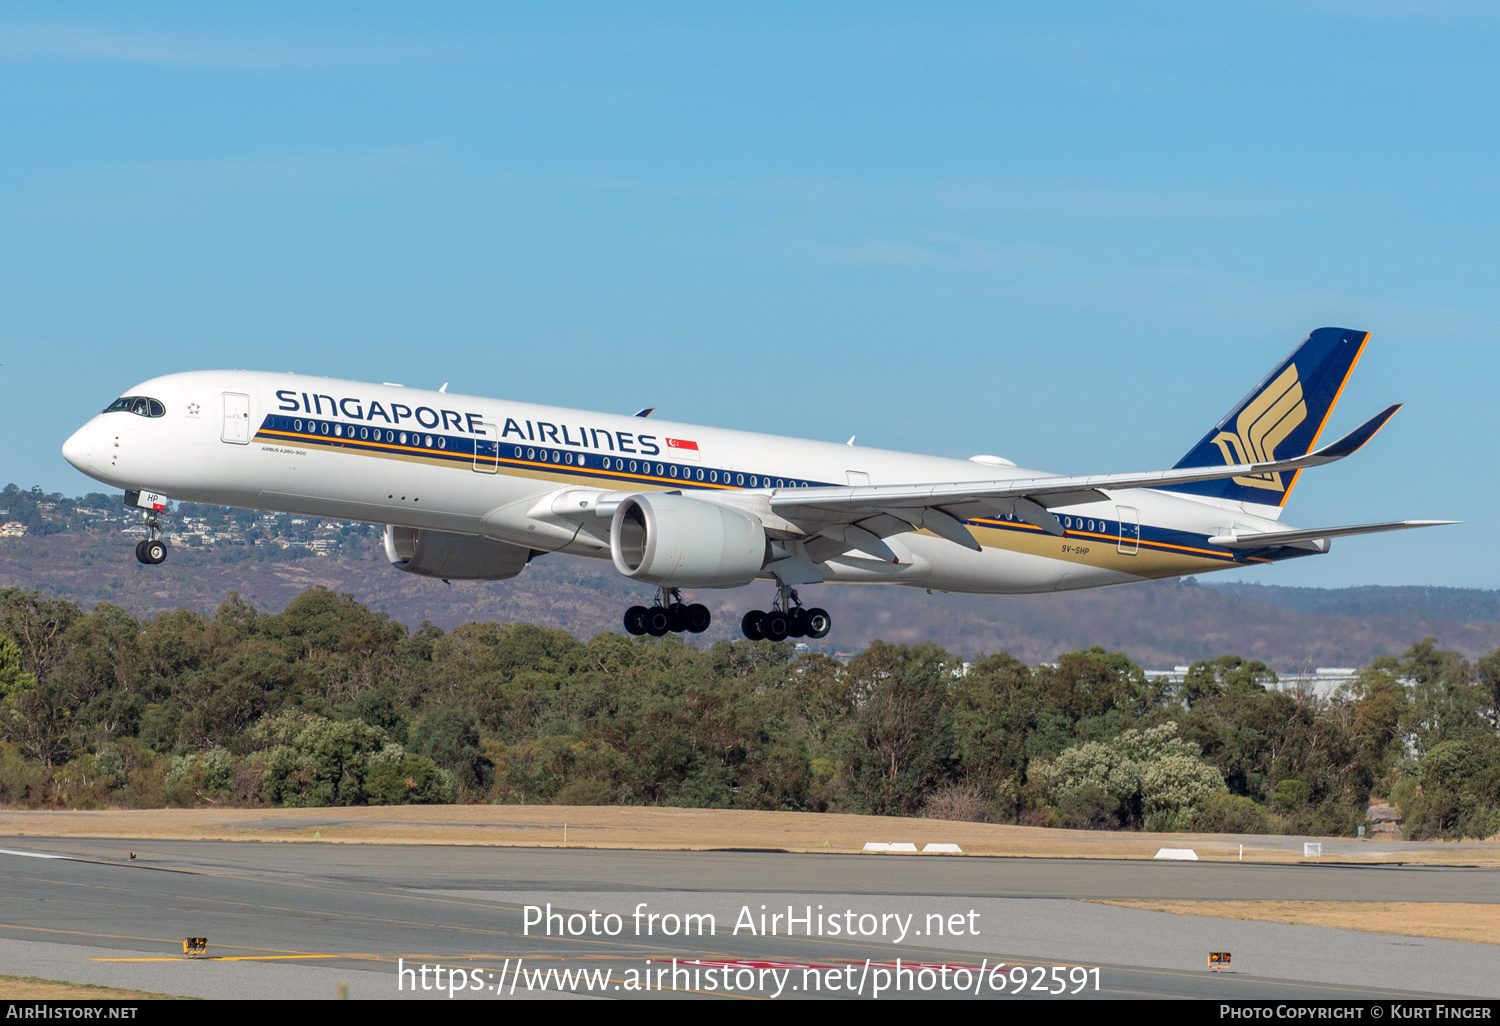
(474, 489)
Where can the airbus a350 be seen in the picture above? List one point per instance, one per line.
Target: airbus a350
(470, 488)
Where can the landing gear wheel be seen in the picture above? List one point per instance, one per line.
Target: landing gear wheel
(140, 552)
(818, 622)
(752, 625)
(677, 615)
(798, 624)
(776, 626)
(698, 618)
(155, 551)
(658, 621)
(635, 620)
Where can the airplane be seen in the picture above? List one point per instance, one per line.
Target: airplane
(470, 488)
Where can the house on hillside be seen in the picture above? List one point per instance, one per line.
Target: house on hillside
(12, 529)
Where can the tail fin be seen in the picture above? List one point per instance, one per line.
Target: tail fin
(1282, 417)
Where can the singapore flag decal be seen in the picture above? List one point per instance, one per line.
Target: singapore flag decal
(682, 449)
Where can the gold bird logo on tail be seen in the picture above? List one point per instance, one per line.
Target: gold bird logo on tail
(1263, 425)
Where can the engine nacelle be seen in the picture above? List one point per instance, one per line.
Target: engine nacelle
(676, 542)
(453, 557)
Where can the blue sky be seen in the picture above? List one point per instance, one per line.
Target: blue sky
(1072, 235)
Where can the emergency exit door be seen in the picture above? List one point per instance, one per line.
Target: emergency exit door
(1130, 530)
(487, 451)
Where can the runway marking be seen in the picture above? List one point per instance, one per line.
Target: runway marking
(644, 947)
(103, 862)
(1028, 963)
(288, 954)
(229, 958)
(235, 907)
(86, 933)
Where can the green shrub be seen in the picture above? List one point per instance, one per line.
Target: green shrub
(23, 782)
(1290, 795)
(1168, 821)
(1226, 813)
(397, 778)
(1457, 791)
(1331, 818)
(585, 792)
(1121, 782)
(1088, 806)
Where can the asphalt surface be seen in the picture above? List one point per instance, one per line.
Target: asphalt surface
(296, 920)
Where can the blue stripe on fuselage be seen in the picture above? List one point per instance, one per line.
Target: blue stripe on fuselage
(599, 469)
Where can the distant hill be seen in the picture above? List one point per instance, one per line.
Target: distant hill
(1159, 625)
(1469, 605)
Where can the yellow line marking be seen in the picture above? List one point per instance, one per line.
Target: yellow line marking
(226, 958)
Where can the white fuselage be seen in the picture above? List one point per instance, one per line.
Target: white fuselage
(496, 469)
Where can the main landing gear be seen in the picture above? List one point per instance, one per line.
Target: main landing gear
(668, 615)
(786, 619)
(151, 550)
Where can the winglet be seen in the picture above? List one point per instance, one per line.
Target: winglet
(1356, 439)
(646, 412)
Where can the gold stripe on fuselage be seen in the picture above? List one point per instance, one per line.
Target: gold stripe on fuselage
(1094, 549)
(1152, 559)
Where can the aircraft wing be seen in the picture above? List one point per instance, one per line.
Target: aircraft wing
(883, 510)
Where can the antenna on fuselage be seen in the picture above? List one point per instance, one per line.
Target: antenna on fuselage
(444, 388)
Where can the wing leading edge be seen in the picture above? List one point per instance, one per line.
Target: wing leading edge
(1053, 491)
(858, 517)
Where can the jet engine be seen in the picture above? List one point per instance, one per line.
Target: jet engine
(676, 542)
(456, 557)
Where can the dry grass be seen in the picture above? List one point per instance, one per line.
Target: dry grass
(1445, 920)
(31, 988)
(664, 829)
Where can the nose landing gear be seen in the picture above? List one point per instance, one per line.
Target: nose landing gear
(151, 550)
(668, 615)
(787, 618)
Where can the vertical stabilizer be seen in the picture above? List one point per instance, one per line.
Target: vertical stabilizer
(1282, 417)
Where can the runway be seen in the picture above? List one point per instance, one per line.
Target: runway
(295, 920)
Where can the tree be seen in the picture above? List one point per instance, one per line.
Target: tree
(1146, 777)
(1488, 672)
(1458, 790)
(1226, 673)
(902, 730)
(13, 680)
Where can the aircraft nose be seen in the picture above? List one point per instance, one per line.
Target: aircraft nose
(77, 449)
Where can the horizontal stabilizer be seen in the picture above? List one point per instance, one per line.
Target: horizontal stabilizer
(1264, 539)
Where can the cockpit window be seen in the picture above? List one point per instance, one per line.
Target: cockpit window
(139, 405)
